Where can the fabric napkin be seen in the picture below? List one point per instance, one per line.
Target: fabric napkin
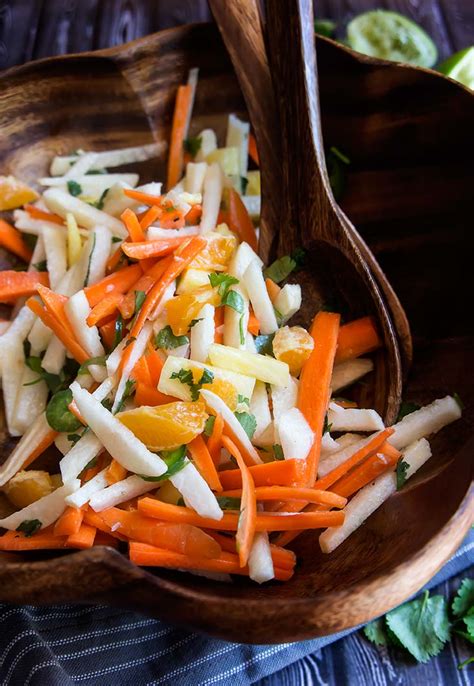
(96, 645)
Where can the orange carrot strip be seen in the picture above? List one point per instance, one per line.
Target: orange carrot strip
(42, 540)
(40, 448)
(69, 522)
(285, 559)
(143, 198)
(181, 117)
(310, 495)
(214, 443)
(141, 372)
(229, 522)
(315, 382)
(144, 283)
(94, 519)
(148, 395)
(383, 460)
(180, 260)
(278, 473)
(104, 309)
(36, 213)
(15, 285)
(338, 472)
(254, 325)
(61, 332)
(147, 249)
(239, 220)
(181, 538)
(248, 506)
(120, 282)
(272, 288)
(115, 472)
(227, 563)
(132, 225)
(83, 539)
(54, 304)
(218, 322)
(12, 240)
(194, 215)
(357, 338)
(253, 152)
(155, 365)
(150, 216)
(107, 333)
(101, 538)
(172, 218)
(203, 461)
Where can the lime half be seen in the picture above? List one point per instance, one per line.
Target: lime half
(460, 66)
(391, 36)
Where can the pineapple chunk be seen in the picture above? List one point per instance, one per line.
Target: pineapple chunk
(261, 367)
(243, 385)
(168, 493)
(253, 186)
(192, 279)
(27, 487)
(228, 158)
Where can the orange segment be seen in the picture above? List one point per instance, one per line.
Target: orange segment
(15, 193)
(293, 345)
(166, 426)
(225, 390)
(182, 309)
(217, 253)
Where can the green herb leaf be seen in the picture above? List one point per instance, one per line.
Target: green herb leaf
(55, 382)
(175, 461)
(278, 452)
(74, 188)
(30, 527)
(247, 421)
(140, 297)
(93, 360)
(193, 145)
(469, 660)
(325, 27)
(116, 239)
(401, 471)
(207, 377)
(376, 632)
(89, 465)
(234, 300)
(168, 341)
(336, 162)
(243, 399)
(128, 391)
(244, 182)
(118, 331)
(406, 408)
(422, 625)
(131, 340)
(58, 414)
(227, 503)
(280, 269)
(264, 344)
(209, 425)
(100, 206)
(73, 438)
(222, 282)
(89, 261)
(41, 266)
(185, 376)
(464, 600)
(327, 426)
(458, 400)
(194, 322)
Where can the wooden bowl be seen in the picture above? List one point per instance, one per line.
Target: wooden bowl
(408, 133)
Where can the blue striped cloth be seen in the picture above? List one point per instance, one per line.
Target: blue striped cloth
(63, 645)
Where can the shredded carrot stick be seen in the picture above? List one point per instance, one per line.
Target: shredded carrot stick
(155, 365)
(218, 324)
(254, 324)
(203, 461)
(94, 519)
(285, 559)
(309, 495)
(115, 472)
(150, 216)
(229, 522)
(227, 563)
(315, 381)
(83, 539)
(42, 540)
(172, 218)
(239, 220)
(120, 282)
(132, 225)
(69, 522)
(149, 395)
(194, 215)
(182, 538)
(181, 117)
(107, 333)
(141, 372)
(145, 282)
(338, 472)
(12, 240)
(15, 285)
(36, 213)
(357, 338)
(115, 259)
(214, 444)
(104, 309)
(278, 473)
(77, 351)
(43, 445)
(147, 249)
(253, 152)
(143, 198)
(379, 463)
(248, 505)
(54, 304)
(272, 288)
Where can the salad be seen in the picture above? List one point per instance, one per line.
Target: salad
(164, 403)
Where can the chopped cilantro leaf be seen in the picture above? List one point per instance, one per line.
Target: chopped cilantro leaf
(458, 400)
(401, 471)
(194, 322)
(116, 239)
(140, 297)
(406, 408)
(73, 438)
(74, 188)
(234, 300)
(131, 340)
(100, 205)
(166, 339)
(264, 344)
(223, 282)
(278, 452)
(464, 600)
(325, 27)
(228, 503)
(175, 461)
(244, 182)
(185, 376)
(247, 421)
(58, 414)
(280, 269)
(327, 426)
(30, 527)
(193, 145)
(242, 399)
(41, 266)
(209, 425)
(118, 331)
(93, 360)
(376, 632)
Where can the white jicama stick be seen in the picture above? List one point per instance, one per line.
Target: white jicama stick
(156, 233)
(238, 136)
(253, 205)
(113, 360)
(138, 351)
(328, 445)
(81, 166)
(425, 421)
(333, 460)
(55, 248)
(27, 224)
(232, 424)
(260, 559)
(105, 388)
(371, 497)
(177, 200)
(167, 295)
(202, 334)
(39, 254)
(296, 436)
(117, 493)
(119, 441)
(13, 363)
(92, 185)
(77, 310)
(284, 398)
(30, 401)
(116, 202)
(78, 457)
(213, 184)
(196, 493)
(54, 357)
(260, 408)
(61, 203)
(250, 346)
(208, 144)
(100, 254)
(236, 323)
(62, 443)
(347, 439)
(194, 179)
(4, 327)
(288, 301)
(85, 493)
(109, 158)
(351, 419)
(241, 259)
(46, 509)
(258, 294)
(261, 367)
(36, 433)
(349, 371)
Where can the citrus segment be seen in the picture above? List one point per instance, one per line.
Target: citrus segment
(216, 255)
(15, 193)
(182, 309)
(293, 345)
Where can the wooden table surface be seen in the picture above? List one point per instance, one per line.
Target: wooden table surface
(30, 29)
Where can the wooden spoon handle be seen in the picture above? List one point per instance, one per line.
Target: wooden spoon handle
(239, 23)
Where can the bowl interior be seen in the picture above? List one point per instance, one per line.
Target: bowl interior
(408, 135)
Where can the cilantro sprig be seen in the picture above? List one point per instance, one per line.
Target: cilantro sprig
(185, 376)
(166, 339)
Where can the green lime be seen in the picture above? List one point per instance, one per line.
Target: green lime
(460, 66)
(391, 36)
